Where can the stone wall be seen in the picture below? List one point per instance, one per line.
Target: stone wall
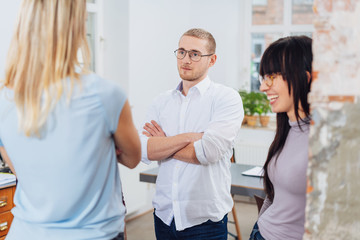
(333, 202)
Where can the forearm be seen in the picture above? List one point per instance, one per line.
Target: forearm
(130, 148)
(187, 154)
(127, 139)
(131, 154)
(160, 148)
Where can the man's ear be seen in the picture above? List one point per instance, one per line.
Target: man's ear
(212, 60)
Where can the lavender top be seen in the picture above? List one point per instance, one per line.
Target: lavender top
(284, 218)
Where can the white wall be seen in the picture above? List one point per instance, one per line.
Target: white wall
(155, 29)
(113, 30)
(136, 40)
(8, 13)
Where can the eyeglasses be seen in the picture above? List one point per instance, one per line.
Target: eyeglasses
(194, 55)
(268, 79)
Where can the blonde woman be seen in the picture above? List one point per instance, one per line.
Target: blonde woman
(59, 128)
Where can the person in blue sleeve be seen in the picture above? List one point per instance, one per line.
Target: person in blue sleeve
(60, 126)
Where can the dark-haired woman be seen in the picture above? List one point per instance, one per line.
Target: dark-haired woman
(285, 71)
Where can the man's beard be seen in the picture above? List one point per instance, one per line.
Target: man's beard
(191, 77)
(188, 78)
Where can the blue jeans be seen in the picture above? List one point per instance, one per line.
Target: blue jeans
(206, 231)
(255, 234)
(119, 237)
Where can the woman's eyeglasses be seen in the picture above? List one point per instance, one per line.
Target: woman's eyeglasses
(268, 79)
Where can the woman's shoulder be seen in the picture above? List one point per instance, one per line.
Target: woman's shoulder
(100, 85)
(93, 78)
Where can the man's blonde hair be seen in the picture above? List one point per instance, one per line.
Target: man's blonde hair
(203, 34)
(42, 54)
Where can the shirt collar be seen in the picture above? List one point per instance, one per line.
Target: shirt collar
(302, 125)
(202, 86)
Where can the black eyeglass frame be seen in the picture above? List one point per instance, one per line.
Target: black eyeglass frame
(191, 51)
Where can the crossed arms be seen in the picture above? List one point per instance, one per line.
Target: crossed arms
(212, 145)
(160, 147)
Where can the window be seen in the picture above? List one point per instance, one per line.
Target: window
(92, 32)
(267, 14)
(260, 2)
(302, 12)
(90, 35)
(259, 42)
(271, 20)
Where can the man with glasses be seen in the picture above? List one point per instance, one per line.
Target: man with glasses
(190, 131)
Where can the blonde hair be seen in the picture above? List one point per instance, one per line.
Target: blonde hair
(42, 54)
(203, 34)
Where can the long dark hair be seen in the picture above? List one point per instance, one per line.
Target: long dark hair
(292, 58)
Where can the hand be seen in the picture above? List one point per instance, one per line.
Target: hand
(194, 136)
(153, 130)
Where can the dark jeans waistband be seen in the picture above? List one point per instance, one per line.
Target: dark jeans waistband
(255, 234)
(119, 237)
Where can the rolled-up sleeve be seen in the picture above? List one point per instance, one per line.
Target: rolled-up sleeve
(144, 157)
(219, 137)
(152, 114)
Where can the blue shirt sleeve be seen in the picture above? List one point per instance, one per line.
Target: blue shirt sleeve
(1, 144)
(113, 99)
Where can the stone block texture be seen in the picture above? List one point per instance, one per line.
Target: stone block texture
(333, 201)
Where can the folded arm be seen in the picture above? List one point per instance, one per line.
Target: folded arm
(127, 139)
(220, 134)
(187, 154)
(204, 148)
(160, 147)
(200, 148)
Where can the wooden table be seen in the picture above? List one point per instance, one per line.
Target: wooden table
(6, 204)
(240, 185)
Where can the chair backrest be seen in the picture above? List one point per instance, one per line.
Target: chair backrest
(232, 159)
(259, 202)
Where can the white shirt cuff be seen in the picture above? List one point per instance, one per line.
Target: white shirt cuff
(199, 152)
(144, 156)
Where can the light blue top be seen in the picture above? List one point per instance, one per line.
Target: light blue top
(68, 181)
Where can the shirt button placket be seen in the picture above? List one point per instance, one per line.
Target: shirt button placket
(175, 181)
(184, 105)
(175, 193)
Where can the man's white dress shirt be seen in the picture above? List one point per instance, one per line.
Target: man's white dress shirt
(191, 193)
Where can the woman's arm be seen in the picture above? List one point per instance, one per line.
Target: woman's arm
(127, 139)
(160, 147)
